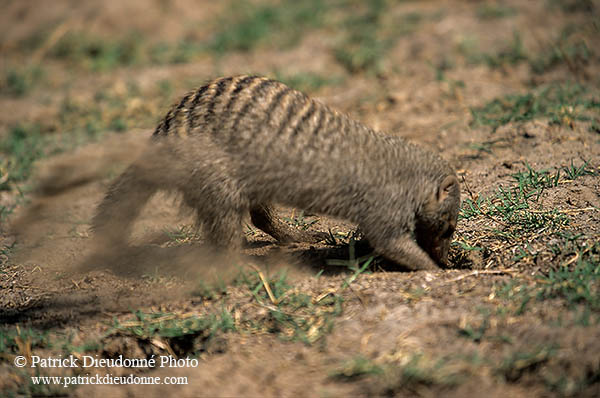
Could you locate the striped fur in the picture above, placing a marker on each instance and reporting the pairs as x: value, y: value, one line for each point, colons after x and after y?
x: 239, y: 144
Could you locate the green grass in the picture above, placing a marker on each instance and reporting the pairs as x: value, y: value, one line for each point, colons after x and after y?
x: 300, y: 221
x: 512, y: 53
x: 7, y: 210
x: 356, y: 368
x: 353, y: 263
x: 243, y: 26
x: 23, y: 145
x: 573, y: 172
x: 294, y: 315
x: 13, y: 340
x: 532, y: 179
x: 185, y: 334
x: 517, y: 364
x: 99, y: 53
x: 185, y: 50
x: 561, y: 104
x: 83, y: 121
x: 246, y: 26
x: 307, y: 81
x: 102, y: 54
x: 368, y: 36
x: 418, y: 371
x: 568, y: 48
x: 476, y: 332
x: 513, y: 206
x: 392, y: 379
x: 77, y: 122
x: 183, y: 234
x: 18, y: 82
x: 367, y: 32
x: 517, y: 220
x: 576, y: 282
x: 490, y: 11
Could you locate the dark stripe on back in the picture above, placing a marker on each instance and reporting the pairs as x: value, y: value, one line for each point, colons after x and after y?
x: 167, y: 121
x: 339, y: 121
x: 320, y: 122
x: 291, y: 109
x: 301, y: 123
x: 159, y: 129
x: 172, y: 115
x: 242, y: 84
x: 323, y: 122
x: 250, y: 102
x: 275, y: 102
x: 220, y: 89
x: 192, y: 108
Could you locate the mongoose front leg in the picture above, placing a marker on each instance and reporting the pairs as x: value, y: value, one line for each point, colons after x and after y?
x: 263, y: 217
x: 405, y: 251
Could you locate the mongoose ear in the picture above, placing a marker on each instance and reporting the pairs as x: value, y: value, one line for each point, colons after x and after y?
x: 446, y: 187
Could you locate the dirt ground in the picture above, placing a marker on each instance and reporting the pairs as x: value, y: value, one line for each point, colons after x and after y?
x: 507, y: 92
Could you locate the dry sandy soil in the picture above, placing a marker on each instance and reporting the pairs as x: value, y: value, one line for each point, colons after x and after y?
x: 507, y: 91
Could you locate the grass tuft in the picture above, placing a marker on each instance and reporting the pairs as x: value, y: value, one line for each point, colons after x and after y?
x: 513, y: 206
x: 561, y: 104
x: 20, y: 149
x: 356, y: 368
x: 182, y: 333
x: 18, y: 82
x: 277, y: 24
x: 99, y: 53
x: 490, y: 11
x: 577, y: 281
x: 308, y: 82
x: 292, y: 315
x: 518, y: 363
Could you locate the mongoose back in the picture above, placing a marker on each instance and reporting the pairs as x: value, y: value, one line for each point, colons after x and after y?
x: 238, y: 145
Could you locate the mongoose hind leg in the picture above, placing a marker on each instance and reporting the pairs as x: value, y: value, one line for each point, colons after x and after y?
x: 222, y: 230
x: 219, y: 212
x: 264, y: 218
x: 122, y: 204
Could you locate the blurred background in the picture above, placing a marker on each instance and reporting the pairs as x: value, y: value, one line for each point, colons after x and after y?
x: 73, y: 67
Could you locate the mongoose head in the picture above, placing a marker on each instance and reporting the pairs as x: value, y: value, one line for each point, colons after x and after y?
x: 436, y: 222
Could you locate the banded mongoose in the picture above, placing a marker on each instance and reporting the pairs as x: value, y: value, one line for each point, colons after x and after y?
x: 239, y: 145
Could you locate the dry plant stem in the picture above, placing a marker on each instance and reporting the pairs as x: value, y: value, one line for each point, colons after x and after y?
x: 323, y: 295
x: 265, y: 284
x: 481, y: 272
x: 54, y: 37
